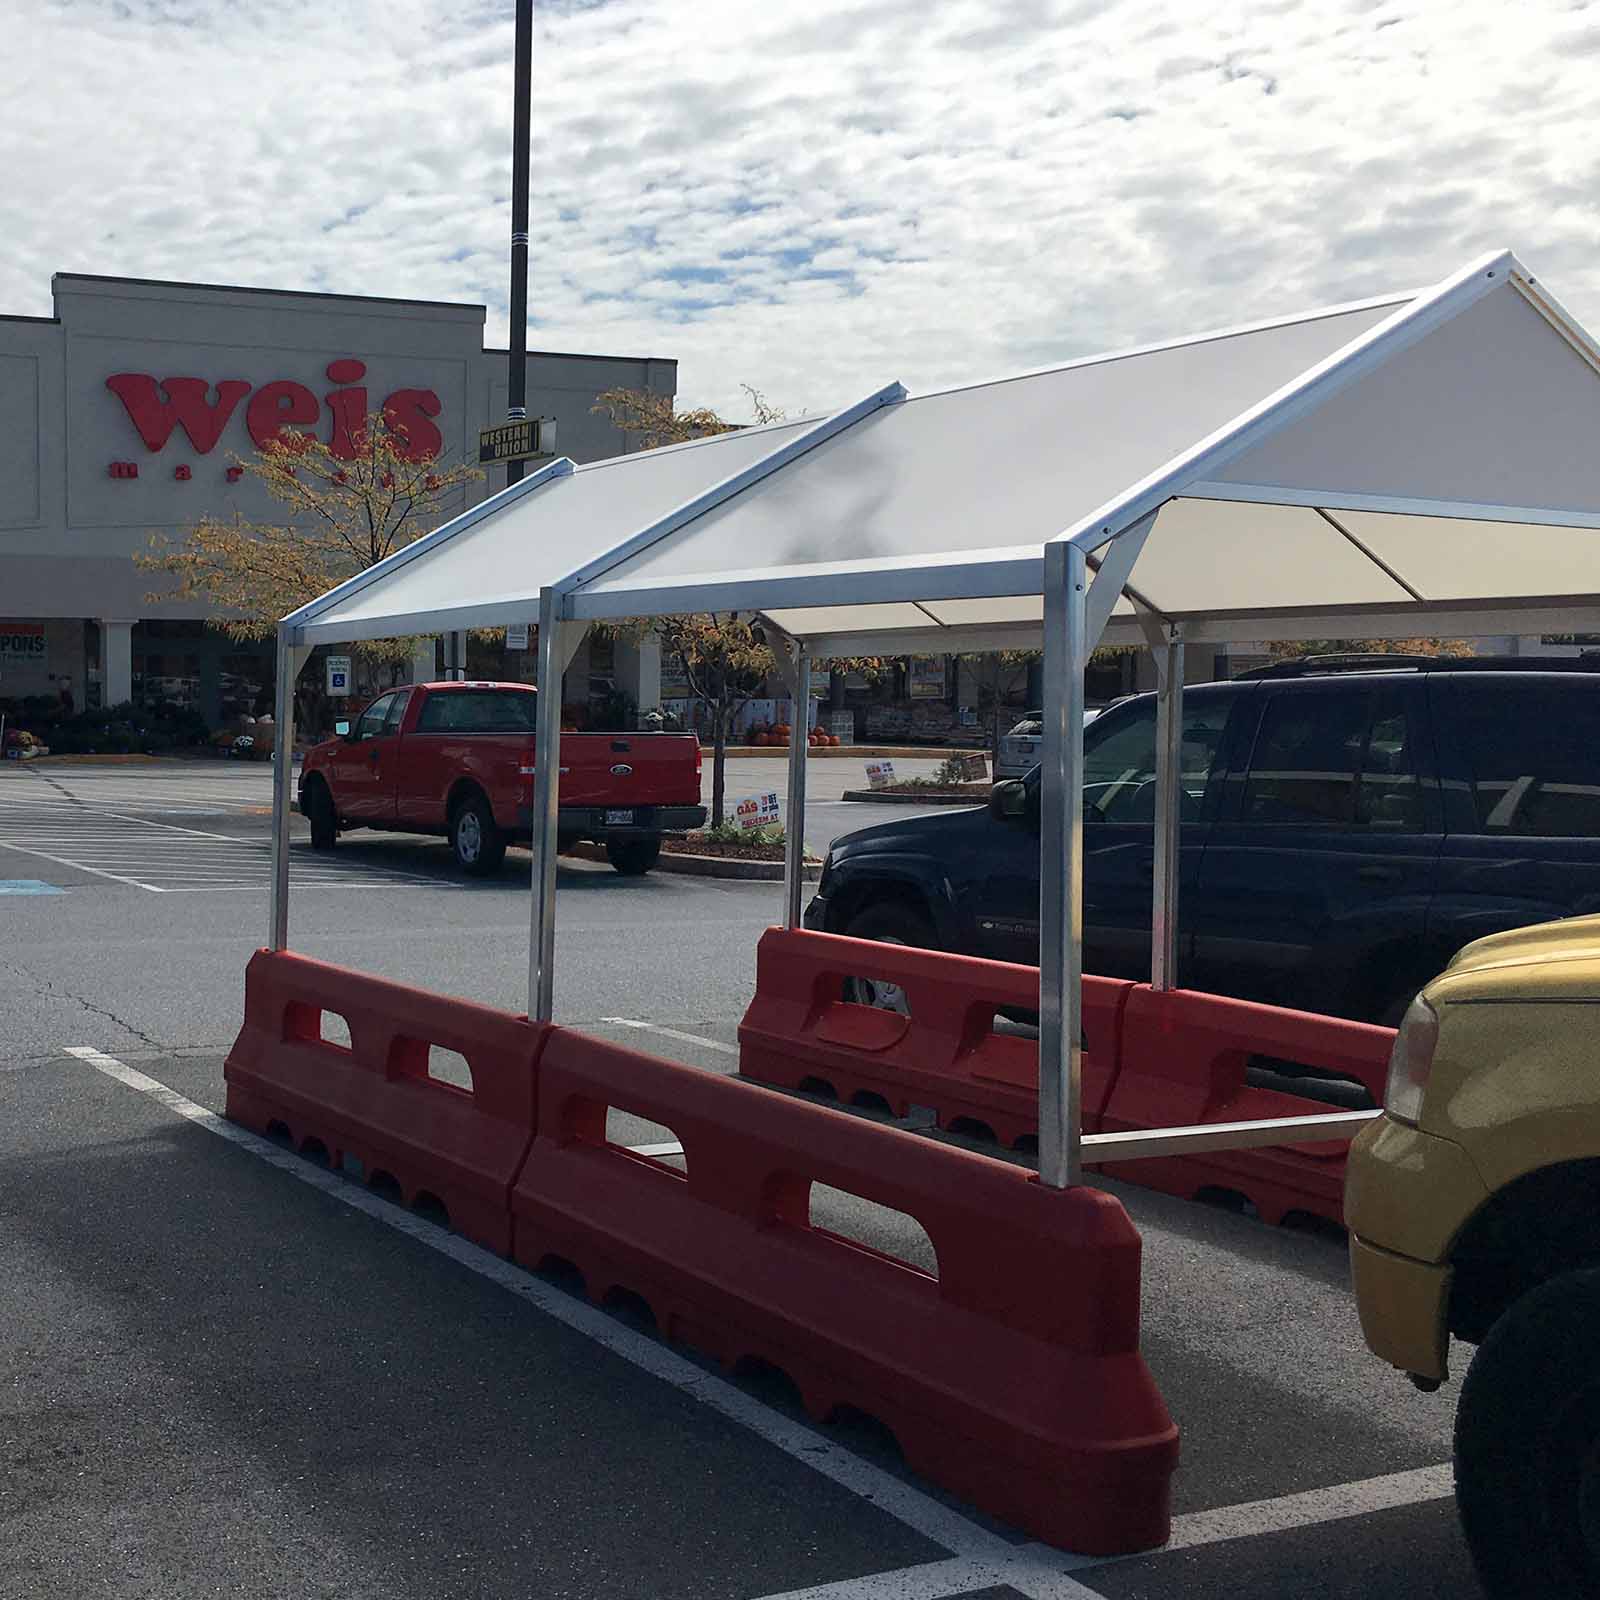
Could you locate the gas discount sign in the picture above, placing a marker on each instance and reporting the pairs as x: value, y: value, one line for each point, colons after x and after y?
x: 758, y: 811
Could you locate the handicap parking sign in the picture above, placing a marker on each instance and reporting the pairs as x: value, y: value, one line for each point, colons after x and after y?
x: 338, y: 675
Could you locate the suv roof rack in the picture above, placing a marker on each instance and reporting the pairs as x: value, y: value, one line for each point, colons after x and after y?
x: 1317, y: 666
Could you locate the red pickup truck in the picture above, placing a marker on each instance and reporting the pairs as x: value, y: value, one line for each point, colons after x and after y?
x: 457, y: 759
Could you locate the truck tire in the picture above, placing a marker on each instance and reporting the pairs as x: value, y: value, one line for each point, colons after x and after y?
x: 475, y: 838
x: 888, y: 924
x: 633, y: 857
x: 319, y: 813
x: 1527, y: 1446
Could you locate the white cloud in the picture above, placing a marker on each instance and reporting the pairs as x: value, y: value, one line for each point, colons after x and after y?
x: 813, y: 196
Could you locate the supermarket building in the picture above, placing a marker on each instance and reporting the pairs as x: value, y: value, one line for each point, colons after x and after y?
x: 122, y: 414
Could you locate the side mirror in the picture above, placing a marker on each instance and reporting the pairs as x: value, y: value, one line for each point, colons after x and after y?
x: 342, y: 727
x: 1008, y: 800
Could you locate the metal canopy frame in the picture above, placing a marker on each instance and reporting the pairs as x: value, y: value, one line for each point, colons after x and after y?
x: 1084, y: 581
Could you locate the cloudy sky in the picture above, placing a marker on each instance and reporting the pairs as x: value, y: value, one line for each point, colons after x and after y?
x: 811, y: 196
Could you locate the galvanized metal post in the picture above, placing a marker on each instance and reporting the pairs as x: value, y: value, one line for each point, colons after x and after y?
x: 794, y: 849
x: 291, y: 658
x: 521, y: 124
x: 1061, y: 869
x: 1169, y: 811
x: 546, y: 801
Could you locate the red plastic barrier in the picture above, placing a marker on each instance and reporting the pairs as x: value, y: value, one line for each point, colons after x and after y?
x: 1013, y: 1378
x: 1184, y: 1062
x: 374, y: 1100
x: 800, y: 1032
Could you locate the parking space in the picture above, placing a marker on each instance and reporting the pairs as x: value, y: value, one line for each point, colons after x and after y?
x: 234, y: 1372
x: 160, y: 857
x: 403, y: 1411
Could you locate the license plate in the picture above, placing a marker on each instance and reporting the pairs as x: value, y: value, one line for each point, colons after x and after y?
x: 619, y: 819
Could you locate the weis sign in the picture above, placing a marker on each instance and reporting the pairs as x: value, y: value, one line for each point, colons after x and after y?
x: 157, y: 409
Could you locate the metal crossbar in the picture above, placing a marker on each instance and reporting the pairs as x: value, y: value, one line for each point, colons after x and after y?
x: 1142, y: 1143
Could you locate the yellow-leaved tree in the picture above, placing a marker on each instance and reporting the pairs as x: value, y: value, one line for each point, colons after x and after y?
x: 342, y: 513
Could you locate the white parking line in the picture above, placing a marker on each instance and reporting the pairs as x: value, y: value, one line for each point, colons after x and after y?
x: 980, y: 1559
x: 169, y: 858
x: 673, y: 1033
x: 1030, y: 1569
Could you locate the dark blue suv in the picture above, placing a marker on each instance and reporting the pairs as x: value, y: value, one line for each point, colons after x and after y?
x: 1347, y: 826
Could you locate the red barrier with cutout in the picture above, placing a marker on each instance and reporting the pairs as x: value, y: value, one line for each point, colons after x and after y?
x: 942, y: 1052
x: 374, y: 1100
x: 1013, y: 1378
x: 1190, y: 1058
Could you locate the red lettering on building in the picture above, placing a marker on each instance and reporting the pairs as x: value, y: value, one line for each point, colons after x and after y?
x: 275, y: 407
x: 407, y: 412
x: 182, y: 473
x: 349, y: 410
x: 281, y: 410
x: 234, y: 474
x: 185, y: 406
x: 124, y: 469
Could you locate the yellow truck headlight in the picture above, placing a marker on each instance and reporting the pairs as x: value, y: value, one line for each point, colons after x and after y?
x: 1410, y: 1062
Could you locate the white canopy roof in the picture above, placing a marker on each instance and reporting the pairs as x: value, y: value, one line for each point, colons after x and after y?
x: 1426, y: 462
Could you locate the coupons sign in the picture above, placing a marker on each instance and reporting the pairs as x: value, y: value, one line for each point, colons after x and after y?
x: 880, y: 774
x: 758, y: 811
x: 22, y: 642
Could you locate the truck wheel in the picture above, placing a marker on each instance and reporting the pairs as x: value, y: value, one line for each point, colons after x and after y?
x: 475, y: 837
x: 889, y: 924
x: 633, y: 857
x: 319, y: 813
x: 1527, y: 1445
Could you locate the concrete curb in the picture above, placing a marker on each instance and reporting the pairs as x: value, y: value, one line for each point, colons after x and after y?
x: 693, y: 866
x: 882, y: 798
x: 121, y: 759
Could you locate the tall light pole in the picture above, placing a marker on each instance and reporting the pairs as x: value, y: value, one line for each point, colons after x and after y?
x: 517, y: 375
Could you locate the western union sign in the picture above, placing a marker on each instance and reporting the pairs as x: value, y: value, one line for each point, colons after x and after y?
x: 522, y: 440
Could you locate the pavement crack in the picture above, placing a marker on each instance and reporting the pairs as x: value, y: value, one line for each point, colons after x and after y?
x: 44, y: 986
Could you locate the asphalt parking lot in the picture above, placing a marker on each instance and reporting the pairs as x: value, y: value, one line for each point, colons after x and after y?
x: 228, y: 1371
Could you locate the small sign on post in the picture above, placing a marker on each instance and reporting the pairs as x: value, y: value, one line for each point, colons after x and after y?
x: 972, y: 769
x: 338, y: 677
x: 516, y: 636
x: 758, y: 811
x: 526, y: 439
x: 880, y: 774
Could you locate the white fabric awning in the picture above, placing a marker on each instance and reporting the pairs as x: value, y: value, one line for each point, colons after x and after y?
x: 1420, y: 463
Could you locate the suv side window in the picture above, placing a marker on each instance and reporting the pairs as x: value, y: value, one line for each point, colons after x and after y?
x: 371, y: 723
x: 1119, y: 766
x: 1534, y: 757
x: 1345, y: 759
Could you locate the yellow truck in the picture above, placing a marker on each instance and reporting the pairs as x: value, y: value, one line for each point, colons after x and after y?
x: 1474, y: 1213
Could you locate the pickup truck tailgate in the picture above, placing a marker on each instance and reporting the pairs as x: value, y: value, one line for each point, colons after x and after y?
x: 630, y: 769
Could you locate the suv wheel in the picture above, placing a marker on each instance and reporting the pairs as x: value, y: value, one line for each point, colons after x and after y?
x: 475, y: 839
x: 1528, y: 1445
x: 889, y: 924
x: 319, y: 813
